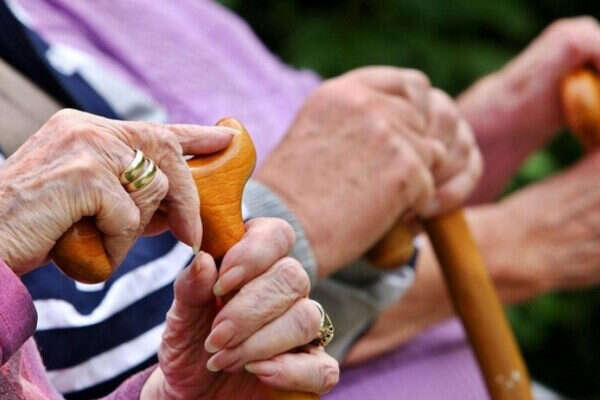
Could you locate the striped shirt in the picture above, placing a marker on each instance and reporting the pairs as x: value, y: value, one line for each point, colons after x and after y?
x: 92, y: 337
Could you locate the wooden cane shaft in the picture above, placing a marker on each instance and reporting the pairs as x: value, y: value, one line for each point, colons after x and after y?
x: 481, y: 312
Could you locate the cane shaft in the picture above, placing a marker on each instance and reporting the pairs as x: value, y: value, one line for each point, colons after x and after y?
x: 476, y: 302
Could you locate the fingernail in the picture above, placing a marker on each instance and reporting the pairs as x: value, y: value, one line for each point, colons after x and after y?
x: 195, y: 249
x: 210, y: 365
x: 220, y: 336
x: 227, y: 359
x: 264, y: 368
x: 230, y: 280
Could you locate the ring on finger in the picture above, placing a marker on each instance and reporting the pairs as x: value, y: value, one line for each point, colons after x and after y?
x: 140, y: 172
x: 326, y: 329
x: 134, y: 169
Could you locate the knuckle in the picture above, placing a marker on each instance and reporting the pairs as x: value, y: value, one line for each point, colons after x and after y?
x: 293, y: 275
x: 443, y: 106
x: 330, y: 375
x: 64, y: 116
x: 282, y: 235
x: 167, y: 141
x: 417, y: 78
x: 307, y: 320
x: 130, y: 222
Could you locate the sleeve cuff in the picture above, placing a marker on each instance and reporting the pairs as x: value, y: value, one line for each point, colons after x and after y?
x: 18, y: 318
x: 132, y: 387
x: 260, y: 201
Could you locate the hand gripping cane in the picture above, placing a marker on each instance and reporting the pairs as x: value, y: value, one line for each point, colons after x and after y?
x: 220, y: 180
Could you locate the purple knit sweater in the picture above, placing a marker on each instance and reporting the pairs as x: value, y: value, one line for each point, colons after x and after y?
x: 22, y: 373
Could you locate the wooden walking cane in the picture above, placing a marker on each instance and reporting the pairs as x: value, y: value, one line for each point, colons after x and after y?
x: 469, y: 284
x: 220, y: 179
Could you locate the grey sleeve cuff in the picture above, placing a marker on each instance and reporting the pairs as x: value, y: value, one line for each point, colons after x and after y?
x: 260, y: 201
x: 355, y: 295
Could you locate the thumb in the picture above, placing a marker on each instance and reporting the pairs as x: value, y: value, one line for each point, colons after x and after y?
x: 193, y: 288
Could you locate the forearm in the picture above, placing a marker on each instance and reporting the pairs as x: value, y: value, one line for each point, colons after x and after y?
x: 493, y: 109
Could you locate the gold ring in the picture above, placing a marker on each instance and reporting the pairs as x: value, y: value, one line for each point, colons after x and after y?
x: 326, y: 330
x: 134, y: 169
x: 147, y: 175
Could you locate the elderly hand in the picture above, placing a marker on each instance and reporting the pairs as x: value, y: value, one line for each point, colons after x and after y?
x: 70, y: 168
x: 516, y: 110
x: 257, y: 329
x: 556, y: 244
x: 366, y: 148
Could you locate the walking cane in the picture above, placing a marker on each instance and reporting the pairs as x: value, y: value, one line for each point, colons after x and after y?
x: 81, y: 255
x: 469, y: 284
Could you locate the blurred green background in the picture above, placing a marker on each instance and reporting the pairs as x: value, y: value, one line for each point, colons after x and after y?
x: 454, y: 42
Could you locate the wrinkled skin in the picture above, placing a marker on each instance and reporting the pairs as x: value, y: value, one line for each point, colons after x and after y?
x: 517, y: 109
x: 183, y: 355
x: 70, y: 168
x: 366, y: 148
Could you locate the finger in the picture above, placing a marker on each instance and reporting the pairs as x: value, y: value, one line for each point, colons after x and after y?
x: 183, y: 204
x: 196, y: 139
x: 408, y: 83
x: 258, y: 303
x: 297, y: 327
x: 443, y: 117
x: 311, y: 371
x: 421, y: 185
x: 190, y: 314
x: 117, y: 217
x: 192, y: 286
x: 455, y: 191
x: 266, y: 240
x: 158, y: 224
x: 405, y: 113
x: 148, y: 198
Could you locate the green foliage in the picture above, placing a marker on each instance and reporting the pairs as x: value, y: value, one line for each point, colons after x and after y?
x: 454, y: 42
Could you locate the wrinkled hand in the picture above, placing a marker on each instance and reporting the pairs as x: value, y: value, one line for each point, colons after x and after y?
x: 557, y: 241
x: 256, y: 329
x: 366, y: 148
x: 517, y: 109
x: 70, y: 168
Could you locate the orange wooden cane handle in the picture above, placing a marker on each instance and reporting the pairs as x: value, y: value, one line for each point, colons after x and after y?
x: 220, y: 179
x: 580, y: 93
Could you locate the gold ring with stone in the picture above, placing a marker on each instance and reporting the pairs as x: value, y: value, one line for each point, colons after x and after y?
x: 326, y: 330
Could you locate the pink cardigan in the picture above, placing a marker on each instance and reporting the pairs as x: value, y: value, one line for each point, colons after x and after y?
x: 22, y: 373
